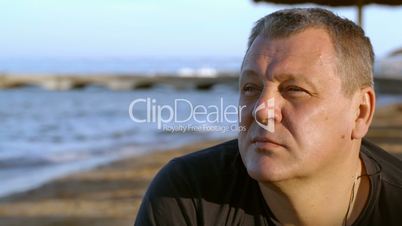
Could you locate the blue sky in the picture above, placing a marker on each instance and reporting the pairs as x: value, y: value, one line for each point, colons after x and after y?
x: 127, y: 28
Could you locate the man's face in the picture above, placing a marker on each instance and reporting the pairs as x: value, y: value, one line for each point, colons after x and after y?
x: 312, y: 117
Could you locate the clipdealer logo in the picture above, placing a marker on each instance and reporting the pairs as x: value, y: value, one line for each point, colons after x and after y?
x: 165, y: 114
x: 269, y: 107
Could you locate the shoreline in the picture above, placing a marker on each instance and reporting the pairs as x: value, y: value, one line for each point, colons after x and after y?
x: 35, y: 178
x: 107, y: 195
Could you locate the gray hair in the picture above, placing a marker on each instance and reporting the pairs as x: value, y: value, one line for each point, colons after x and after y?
x: 354, y: 51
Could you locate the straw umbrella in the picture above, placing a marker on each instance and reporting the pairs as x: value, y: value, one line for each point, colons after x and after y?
x: 358, y: 3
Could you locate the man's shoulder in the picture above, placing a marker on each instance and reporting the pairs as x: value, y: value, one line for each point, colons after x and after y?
x: 386, y: 185
x: 390, y: 167
x: 216, y: 158
x: 220, y: 153
x: 206, y: 187
x: 219, y: 159
x: 193, y: 173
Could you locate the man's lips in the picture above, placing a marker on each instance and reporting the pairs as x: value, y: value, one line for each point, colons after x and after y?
x: 265, y: 143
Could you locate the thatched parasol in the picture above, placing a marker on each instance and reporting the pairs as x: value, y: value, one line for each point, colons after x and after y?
x: 358, y: 3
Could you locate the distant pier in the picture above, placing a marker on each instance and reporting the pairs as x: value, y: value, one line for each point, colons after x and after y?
x: 383, y: 83
x: 116, y: 82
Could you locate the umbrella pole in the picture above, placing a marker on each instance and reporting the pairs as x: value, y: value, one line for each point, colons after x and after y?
x: 360, y: 13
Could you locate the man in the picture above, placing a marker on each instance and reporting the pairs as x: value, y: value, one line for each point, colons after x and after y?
x: 306, y: 85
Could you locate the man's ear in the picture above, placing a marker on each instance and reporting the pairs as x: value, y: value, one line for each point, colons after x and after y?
x: 364, y: 112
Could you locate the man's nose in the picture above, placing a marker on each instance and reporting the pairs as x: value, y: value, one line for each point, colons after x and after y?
x: 267, y: 108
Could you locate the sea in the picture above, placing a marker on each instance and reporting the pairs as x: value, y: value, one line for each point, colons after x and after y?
x: 48, y: 134
x: 45, y: 134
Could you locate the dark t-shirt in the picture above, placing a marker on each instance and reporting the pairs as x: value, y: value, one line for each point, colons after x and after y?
x: 212, y: 187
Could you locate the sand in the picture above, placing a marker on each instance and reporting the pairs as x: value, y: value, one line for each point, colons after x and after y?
x: 107, y: 195
x: 110, y: 195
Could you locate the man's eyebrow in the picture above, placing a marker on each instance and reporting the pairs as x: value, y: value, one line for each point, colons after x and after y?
x: 285, y: 77
x: 248, y: 73
x: 295, y: 77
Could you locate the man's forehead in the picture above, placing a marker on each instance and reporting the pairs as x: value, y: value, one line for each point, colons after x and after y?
x: 262, y: 47
x: 307, y: 49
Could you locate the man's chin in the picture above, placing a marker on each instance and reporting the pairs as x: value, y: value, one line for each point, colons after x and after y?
x: 266, y: 173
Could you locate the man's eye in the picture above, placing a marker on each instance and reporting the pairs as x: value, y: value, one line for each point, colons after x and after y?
x: 295, y: 91
x: 251, y: 90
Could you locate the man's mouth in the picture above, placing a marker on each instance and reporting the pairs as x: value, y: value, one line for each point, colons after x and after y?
x: 265, y: 143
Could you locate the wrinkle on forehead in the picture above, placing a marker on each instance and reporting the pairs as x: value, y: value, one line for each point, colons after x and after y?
x: 290, y: 54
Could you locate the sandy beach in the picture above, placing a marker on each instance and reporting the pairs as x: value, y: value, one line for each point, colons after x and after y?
x: 111, y: 194
x: 107, y: 195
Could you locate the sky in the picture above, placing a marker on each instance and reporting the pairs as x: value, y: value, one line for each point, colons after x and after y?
x: 155, y: 28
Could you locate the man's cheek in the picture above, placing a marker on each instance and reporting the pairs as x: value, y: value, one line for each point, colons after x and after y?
x: 246, y: 115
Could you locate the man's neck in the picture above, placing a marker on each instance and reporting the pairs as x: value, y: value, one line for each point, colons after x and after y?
x: 319, y: 201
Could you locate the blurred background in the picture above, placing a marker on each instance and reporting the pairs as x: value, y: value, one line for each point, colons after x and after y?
x: 70, y: 69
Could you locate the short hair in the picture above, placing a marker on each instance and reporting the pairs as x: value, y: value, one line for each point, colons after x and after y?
x: 354, y: 52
